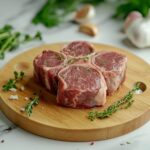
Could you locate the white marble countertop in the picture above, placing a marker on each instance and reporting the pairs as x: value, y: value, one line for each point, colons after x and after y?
x: 19, y: 13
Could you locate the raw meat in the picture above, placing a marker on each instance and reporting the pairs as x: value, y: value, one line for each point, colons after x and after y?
x: 46, y: 67
x: 78, y: 49
x: 80, y: 77
x: 113, y: 66
x: 81, y: 86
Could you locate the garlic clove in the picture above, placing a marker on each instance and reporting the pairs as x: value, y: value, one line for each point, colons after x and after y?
x: 85, y: 14
x: 89, y: 29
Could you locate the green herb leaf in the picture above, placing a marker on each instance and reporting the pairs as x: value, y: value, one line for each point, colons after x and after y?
x: 38, y: 35
x: 28, y: 37
x: 29, y: 107
x: 54, y: 12
x: 131, y: 5
x: 9, y: 40
x: 18, y: 76
x: 10, y: 84
x: 126, y: 100
x: 6, y: 28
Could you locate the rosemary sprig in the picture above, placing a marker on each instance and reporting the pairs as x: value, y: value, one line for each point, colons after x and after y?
x: 11, y: 83
x: 29, y: 107
x: 127, y: 99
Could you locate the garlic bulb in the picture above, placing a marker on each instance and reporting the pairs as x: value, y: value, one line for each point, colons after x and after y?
x: 138, y: 31
x: 85, y: 14
x: 134, y: 15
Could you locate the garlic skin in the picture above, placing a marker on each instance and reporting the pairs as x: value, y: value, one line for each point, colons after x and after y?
x: 134, y: 15
x: 85, y: 14
x: 138, y: 32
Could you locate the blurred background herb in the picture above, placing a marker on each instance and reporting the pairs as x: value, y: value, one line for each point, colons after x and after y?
x: 54, y: 11
x: 10, y: 39
x: 131, y: 5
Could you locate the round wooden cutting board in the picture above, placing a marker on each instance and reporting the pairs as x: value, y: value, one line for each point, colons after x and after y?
x: 56, y: 122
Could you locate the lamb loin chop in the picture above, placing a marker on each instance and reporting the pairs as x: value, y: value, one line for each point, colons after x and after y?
x: 113, y: 67
x: 81, y: 86
x: 78, y: 49
x: 46, y: 67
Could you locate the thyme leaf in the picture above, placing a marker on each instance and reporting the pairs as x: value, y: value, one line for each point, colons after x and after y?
x: 11, y: 83
x: 29, y: 107
x: 28, y: 38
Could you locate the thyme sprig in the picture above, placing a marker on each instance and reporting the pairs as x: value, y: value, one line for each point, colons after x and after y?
x: 29, y: 107
x: 11, y: 83
x: 74, y: 60
x: 126, y: 100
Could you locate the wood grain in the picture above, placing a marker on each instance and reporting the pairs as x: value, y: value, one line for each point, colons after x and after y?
x: 56, y: 122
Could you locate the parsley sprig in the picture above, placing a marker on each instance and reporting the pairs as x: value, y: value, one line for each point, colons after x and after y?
x: 126, y: 101
x: 29, y: 107
x: 127, y: 6
x: 11, y: 83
